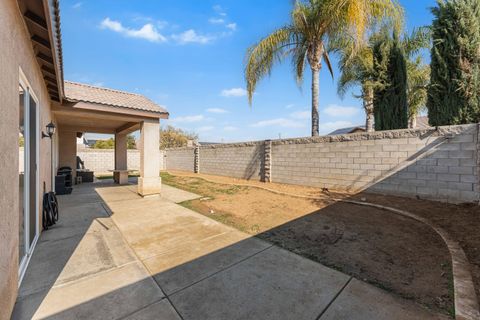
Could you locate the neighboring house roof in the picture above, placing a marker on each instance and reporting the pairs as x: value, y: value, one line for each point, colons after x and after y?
x: 347, y: 130
x: 79, y: 92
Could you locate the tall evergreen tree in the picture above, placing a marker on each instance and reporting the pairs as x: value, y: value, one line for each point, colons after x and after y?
x: 357, y: 69
x: 390, y: 95
x: 454, y: 92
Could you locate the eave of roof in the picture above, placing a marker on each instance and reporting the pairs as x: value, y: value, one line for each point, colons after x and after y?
x: 42, y: 21
x: 78, y: 92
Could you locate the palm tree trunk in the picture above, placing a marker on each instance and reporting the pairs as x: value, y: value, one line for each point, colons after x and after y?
x: 315, y: 92
x: 412, y: 121
x: 368, y: 105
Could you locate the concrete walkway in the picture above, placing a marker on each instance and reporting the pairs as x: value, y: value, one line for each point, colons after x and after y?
x: 115, y: 255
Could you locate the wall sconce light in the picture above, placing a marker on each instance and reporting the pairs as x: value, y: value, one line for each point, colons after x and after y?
x: 50, y: 131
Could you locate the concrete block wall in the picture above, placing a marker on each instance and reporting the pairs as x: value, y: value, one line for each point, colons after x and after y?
x: 441, y: 164
x: 102, y: 160
x: 180, y: 159
x: 242, y: 160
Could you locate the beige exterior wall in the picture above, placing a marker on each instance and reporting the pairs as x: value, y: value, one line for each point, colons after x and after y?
x: 67, y: 151
x: 17, y: 53
x: 441, y: 165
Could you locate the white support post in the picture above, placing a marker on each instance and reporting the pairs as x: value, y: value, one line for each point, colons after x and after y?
x: 149, y: 182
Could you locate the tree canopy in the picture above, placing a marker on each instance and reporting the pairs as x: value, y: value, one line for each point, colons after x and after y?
x: 110, y: 143
x: 454, y: 92
x: 305, y: 39
x: 171, y: 137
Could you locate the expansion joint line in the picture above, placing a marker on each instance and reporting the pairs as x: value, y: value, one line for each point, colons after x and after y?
x: 334, y: 298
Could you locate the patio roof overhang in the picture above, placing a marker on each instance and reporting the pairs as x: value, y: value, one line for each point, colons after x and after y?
x: 97, y: 118
x: 42, y: 19
x: 87, y: 108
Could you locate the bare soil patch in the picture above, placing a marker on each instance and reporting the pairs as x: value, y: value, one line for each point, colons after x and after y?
x: 395, y: 253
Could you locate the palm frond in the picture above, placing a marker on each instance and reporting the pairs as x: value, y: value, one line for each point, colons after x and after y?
x: 299, y: 61
x: 261, y: 57
x: 420, y: 38
x: 326, y: 58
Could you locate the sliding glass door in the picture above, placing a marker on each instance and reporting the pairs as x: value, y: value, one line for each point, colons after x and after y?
x: 22, y: 155
x: 27, y: 174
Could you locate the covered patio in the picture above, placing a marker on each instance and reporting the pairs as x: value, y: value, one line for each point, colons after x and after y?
x: 87, y: 108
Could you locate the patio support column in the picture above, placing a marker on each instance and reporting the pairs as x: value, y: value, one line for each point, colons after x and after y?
x: 149, y: 182
x: 120, y: 151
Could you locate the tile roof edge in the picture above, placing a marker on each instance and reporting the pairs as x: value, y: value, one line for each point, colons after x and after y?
x: 161, y: 110
x: 103, y: 88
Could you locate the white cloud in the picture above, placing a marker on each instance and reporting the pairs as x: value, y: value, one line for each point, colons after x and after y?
x: 340, y: 111
x: 77, y: 5
x: 230, y: 128
x: 205, y: 128
x: 234, y: 92
x: 279, y: 122
x: 216, y: 110
x: 216, y: 21
x: 218, y: 9
x: 188, y: 119
x: 147, y: 32
x: 289, y: 106
x: 191, y: 36
x: 301, y: 115
x: 232, y: 26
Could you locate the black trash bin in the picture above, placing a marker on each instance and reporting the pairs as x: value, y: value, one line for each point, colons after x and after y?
x: 63, y: 181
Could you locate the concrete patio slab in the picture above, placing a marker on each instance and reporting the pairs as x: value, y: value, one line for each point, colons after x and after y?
x: 274, y: 284
x: 60, y: 261
x: 362, y: 301
x: 177, y: 195
x: 160, y: 310
x: 117, y: 193
x: 78, y: 200
x: 78, y: 220
x: 176, y: 271
x: 120, y: 266
x: 107, y: 295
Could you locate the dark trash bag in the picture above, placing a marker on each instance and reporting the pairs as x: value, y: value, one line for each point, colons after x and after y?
x: 50, y: 210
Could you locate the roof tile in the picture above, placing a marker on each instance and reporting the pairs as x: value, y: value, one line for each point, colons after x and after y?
x: 77, y: 92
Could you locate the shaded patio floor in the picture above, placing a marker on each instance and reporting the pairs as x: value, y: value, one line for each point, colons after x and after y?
x: 115, y: 255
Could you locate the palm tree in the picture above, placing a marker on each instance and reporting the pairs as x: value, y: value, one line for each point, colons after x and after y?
x: 357, y: 70
x: 313, y: 24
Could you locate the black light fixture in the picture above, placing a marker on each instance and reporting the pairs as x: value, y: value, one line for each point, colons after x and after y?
x: 50, y: 131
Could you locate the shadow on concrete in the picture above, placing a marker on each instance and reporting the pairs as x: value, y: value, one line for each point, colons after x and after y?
x: 84, y: 275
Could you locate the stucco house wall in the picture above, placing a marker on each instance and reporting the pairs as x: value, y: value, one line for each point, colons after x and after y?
x: 17, y: 52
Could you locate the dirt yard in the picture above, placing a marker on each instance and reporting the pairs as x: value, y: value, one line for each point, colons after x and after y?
x: 392, y: 252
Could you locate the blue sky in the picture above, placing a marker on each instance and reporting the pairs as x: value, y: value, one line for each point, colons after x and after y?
x: 188, y: 56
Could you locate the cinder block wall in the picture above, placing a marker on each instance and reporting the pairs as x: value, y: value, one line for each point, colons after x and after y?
x: 439, y: 165
x: 436, y: 165
x: 102, y: 160
x: 180, y: 159
x: 240, y: 160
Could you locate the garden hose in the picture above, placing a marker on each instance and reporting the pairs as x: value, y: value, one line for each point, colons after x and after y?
x: 50, y: 210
